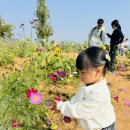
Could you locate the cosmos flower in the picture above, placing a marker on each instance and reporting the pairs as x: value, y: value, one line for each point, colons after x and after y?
x: 61, y: 74
x: 14, y: 124
x: 18, y: 68
x: 29, y: 92
x: 67, y: 119
x: 52, y: 77
x: 41, y: 49
x: 122, y: 68
x: 57, y: 99
x: 116, y: 98
x: 36, y: 98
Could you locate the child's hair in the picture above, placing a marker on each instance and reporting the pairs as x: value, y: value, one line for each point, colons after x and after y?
x: 92, y: 57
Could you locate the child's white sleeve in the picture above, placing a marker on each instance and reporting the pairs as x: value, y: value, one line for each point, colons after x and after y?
x: 80, y: 110
x: 78, y: 97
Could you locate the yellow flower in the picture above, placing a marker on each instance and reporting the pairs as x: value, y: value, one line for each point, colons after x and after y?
x: 57, y: 51
x: 104, y: 47
x: 53, y: 127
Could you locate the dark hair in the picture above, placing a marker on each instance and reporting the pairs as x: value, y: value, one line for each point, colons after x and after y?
x: 92, y: 57
x: 116, y: 23
x: 100, y: 21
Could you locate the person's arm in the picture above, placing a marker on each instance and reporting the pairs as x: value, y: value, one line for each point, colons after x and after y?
x: 80, y: 110
x: 89, y: 36
x: 121, y: 37
x: 103, y: 38
x: 109, y: 35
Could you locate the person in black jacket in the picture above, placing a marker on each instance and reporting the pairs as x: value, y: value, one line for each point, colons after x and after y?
x: 116, y: 38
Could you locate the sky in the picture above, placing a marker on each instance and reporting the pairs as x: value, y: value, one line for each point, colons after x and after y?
x: 71, y: 19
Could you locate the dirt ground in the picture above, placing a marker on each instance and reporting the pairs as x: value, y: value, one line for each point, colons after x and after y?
x: 119, y: 85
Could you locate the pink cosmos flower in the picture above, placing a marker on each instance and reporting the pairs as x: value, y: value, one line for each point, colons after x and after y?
x: 57, y: 99
x: 122, y: 89
x: 41, y: 49
x: 33, y: 122
x: 127, y: 103
x: 18, y: 99
x: 36, y: 98
x: 14, y: 123
x: 126, y: 113
x: 118, y: 74
x: 19, y: 69
x: 52, y: 77
x: 29, y: 92
x: 116, y: 98
x: 122, y: 67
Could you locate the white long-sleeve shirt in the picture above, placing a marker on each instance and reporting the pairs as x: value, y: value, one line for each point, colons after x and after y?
x: 94, y: 38
x: 91, y: 106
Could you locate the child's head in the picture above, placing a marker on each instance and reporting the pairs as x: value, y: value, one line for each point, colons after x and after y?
x: 92, y: 64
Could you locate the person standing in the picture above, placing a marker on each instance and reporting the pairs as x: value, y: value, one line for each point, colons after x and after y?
x: 115, y: 39
x: 97, y: 34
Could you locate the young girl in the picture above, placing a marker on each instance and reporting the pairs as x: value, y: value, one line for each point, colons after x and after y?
x: 116, y: 38
x: 92, y: 104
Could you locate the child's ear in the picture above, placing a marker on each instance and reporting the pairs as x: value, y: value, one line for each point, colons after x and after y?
x: 99, y: 70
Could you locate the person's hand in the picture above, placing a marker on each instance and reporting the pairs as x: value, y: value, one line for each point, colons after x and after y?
x: 119, y: 45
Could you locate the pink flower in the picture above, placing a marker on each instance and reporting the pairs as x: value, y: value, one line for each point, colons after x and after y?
x: 127, y: 103
x: 52, y: 77
x: 122, y: 67
x: 126, y: 113
x: 57, y: 99
x: 18, y: 99
x: 41, y: 49
x: 33, y: 122
x: 122, y: 89
x: 116, y: 98
x: 118, y: 74
x: 14, y: 123
x: 19, y: 69
x: 36, y: 98
x: 29, y: 92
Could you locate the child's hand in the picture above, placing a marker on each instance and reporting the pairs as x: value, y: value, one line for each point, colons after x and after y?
x: 57, y: 100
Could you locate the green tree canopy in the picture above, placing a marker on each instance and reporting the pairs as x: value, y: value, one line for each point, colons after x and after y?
x: 44, y: 29
x: 5, y: 29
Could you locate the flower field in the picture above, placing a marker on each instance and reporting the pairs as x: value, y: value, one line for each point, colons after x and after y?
x: 34, y: 77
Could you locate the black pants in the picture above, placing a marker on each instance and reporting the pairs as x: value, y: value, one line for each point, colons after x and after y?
x: 112, y: 54
x: 111, y: 127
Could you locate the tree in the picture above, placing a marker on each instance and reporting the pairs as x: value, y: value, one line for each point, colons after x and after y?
x: 44, y: 29
x: 5, y: 29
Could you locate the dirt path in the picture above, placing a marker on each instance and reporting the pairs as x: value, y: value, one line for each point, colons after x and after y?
x: 120, y: 87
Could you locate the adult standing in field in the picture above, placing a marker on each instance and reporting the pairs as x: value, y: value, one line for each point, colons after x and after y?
x: 97, y: 34
x: 115, y: 39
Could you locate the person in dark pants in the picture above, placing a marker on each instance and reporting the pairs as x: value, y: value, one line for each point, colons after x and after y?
x: 116, y: 38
